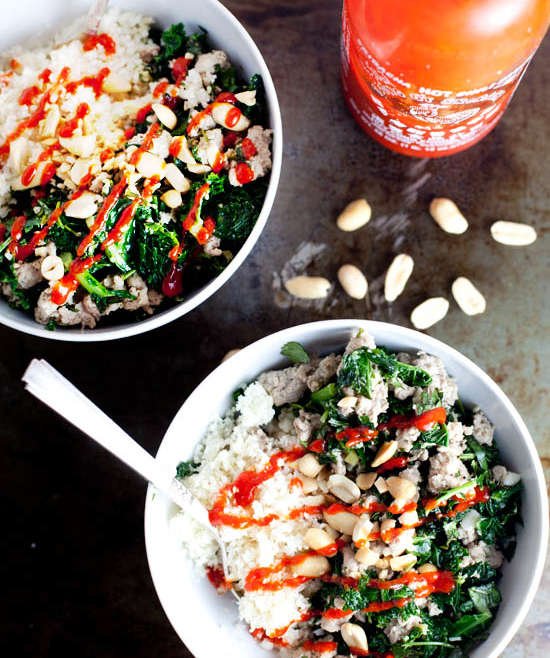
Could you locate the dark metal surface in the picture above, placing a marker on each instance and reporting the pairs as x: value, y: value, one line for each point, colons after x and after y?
x: 73, y: 569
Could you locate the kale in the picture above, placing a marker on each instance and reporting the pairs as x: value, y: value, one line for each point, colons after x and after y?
x: 322, y: 395
x: 67, y: 233
x: 119, y: 253
x: 437, y: 435
x: 184, y: 469
x: 154, y: 242
x: 429, y: 400
x: 295, y: 352
x: 226, y: 78
x: 481, y: 572
x: 197, y: 42
x: 356, y: 372
x: 466, y: 625
x: 19, y: 298
x: 257, y: 113
x: 397, y: 371
x: 485, y: 597
x: 101, y: 295
x: 173, y: 41
x: 236, y: 211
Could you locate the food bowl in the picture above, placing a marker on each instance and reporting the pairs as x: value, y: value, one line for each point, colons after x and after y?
x: 21, y: 22
x: 208, y: 623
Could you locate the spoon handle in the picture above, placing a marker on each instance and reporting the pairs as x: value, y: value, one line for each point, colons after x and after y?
x: 49, y: 386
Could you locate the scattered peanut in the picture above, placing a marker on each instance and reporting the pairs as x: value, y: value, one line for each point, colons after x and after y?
x: 81, y: 145
x: 468, y: 297
x: 198, y: 168
x: 353, y: 281
x: 447, y: 215
x: 309, y: 485
x: 172, y: 199
x: 83, y: 206
x: 403, y: 562
x: 18, y: 185
x: 429, y: 312
x: 179, y: 148
x: 48, y: 127
x: 401, y: 488
x: 386, y: 451
x: 150, y: 165
x: 355, y: 215
x: 385, y: 525
x: 247, y: 97
x: 409, y: 518
x: 366, y: 556
x: 347, y: 403
x: 365, y: 480
x: 317, y: 539
x: 380, y: 484
x: 362, y: 530
x: 344, y: 522
x: 344, y: 488
x: 426, y: 568
x: 19, y: 153
x: 176, y: 178
x: 514, y: 234
x: 229, y: 354
x: 397, y: 276
x: 52, y: 268
x: 382, y: 563
x: 354, y: 636
x: 116, y: 84
x: 165, y: 115
x: 309, y: 465
x: 312, y: 566
x: 308, y: 287
x: 81, y: 168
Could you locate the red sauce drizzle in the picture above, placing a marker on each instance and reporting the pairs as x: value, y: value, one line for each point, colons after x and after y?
x: 354, y: 436
x: 319, y: 647
x: 143, y: 113
x: 233, y: 116
x: 94, y: 82
x: 106, y: 154
x: 179, y: 69
x: 479, y: 495
x: 248, y: 148
x: 92, y: 41
x: 317, y: 446
x: 421, y: 422
x: 441, y: 582
x: 154, y: 130
x: 191, y: 218
x: 28, y: 95
x: 244, y: 173
x: 30, y: 171
x: 160, y: 88
x: 67, y: 284
x: 45, y: 76
x: 68, y: 127
x: 172, y: 284
x: 217, y: 578
x: 109, y: 202
x: 392, y: 464
x: 122, y: 225
x: 261, y: 578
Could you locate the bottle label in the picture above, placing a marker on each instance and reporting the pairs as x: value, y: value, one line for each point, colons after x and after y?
x: 414, y: 118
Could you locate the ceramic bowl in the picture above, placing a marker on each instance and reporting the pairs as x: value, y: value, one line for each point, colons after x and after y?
x: 21, y: 21
x: 208, y: 623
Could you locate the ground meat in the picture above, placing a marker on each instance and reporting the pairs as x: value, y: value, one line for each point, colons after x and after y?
x: 446, y: 472
x: 287, y: 385
x: 482, y: 552
x: 305, y: 424
x: 261, y: 138
x: 457, y: 443
x: 68, y: 315
x: 467, y: 532
x: 377, y: 403
x: 324, y: 372
x: 138, y: 289
x: 402, y: 391
x: 411, y: 473
x: 405, y: 438
x: 440, y: 379
x: 28, y: 274
x: 482, y: 428
x: 212, y: 246
x: 398, y: 629
x: 207, y: 64
x: 362, y: 339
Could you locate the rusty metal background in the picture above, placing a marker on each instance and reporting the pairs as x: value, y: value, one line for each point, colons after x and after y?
x: 72, y: 560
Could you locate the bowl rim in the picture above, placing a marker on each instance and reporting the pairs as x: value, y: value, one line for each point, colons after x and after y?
x: 80, y: 335
x: 431, y: 345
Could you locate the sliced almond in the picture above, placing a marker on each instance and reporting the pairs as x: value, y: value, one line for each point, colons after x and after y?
x: 312, y: 566
x: 172, y: 199
x: 165, y: 115
x: 222, y: 111
x: 403, y: 562
x: 150, y: 165
x: 48, y: 126
x: 198, y: 168
x: 308, y: 287
x: 247, y: 97
x: 468, y: 297
x: 83, y: 206
x: 429, y: 312
x: 344, y: 522
x: 386, y: 451
x: 309, y: 465
x: 343, y: 488
x: 401, y: 488
x: 19, y: 154
x: 81, y: 145
x: 18, y: 185
x: 309, y: 485
x: 427, y: 568
x: 354, y: 216
x: 81, y: 168
x: 317, y: 539
x: 397, y: 276
x: 366, y: 480
x: 354, y: 636
x: 514, y: 234
x: 353, y: 281
x: 409, y: 518
x: 176, y: 178
x: 447, y: 215
x: 382, y: 563
x: 347, y: 403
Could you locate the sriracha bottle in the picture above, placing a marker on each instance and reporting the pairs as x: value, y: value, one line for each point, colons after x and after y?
x: 432, y: 77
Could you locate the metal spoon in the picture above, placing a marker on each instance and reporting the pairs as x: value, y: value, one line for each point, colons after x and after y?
x: 48, y: 385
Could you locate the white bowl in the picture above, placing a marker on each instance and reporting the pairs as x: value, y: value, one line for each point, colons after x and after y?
x: 206, y: 622
x: 21, y: 20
